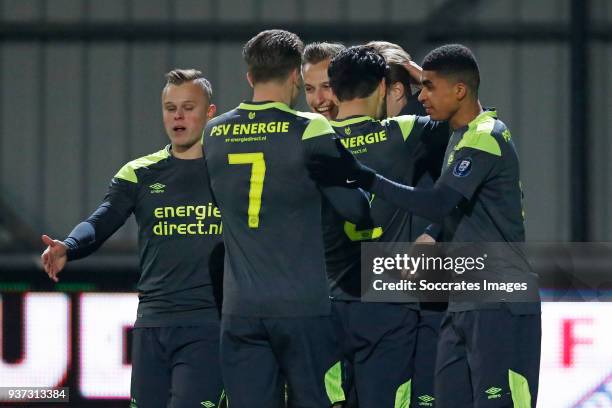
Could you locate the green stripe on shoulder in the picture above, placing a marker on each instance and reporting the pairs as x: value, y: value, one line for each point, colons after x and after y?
x: 405, y: 122
x: 479, y: 136
x: 317, y: 125
x: 128, y: 172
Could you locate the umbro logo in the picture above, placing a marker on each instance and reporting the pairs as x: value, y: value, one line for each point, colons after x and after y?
x: 207, y: 404
x: 493, y: 392
x: 347, y: 130
x: 426, y: 400
x: 157, y: 188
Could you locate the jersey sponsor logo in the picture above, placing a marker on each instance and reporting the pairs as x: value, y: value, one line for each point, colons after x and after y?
x: 253, y: 128
x: 168, y: 216
x: 463, y: 168
x: 362, y: 140
x: 157, y: 188
x: 493, y: 393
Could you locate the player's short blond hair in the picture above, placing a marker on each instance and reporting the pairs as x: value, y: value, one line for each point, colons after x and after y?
x: 180, y: 76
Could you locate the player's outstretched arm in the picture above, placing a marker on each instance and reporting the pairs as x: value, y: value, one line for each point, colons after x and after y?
x: 54, y: 257
x: 84, y: 239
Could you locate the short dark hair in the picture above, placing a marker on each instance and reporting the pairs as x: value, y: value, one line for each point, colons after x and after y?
x: 180, y: 76
x: 457, y: 61
x: 396, y: 57
x: 320, y: 51
x: 356, y: 72
x: 272, y: 55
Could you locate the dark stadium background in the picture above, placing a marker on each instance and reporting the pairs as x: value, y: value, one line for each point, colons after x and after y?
x: 79, y: 96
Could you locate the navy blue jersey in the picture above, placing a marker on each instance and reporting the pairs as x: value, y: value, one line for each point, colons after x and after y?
x: 393, y: 147
x: 256, y: 155
x: 179, y: 236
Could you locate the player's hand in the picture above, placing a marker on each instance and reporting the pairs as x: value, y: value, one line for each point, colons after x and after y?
x: 425, y: 238
x: 343, y: 171
x: 54, y: 258
x: 415, y: 71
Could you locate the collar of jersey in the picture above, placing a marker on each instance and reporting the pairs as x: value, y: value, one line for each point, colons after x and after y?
x: 486, y: 114
x: 255, y: 106
x: 350, y: 121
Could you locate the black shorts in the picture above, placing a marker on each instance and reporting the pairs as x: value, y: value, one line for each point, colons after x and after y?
x: 378, y: 342
x: 259, y: 356
x: 176, y: 367
x: 488, y: 358
x: 428, y: 332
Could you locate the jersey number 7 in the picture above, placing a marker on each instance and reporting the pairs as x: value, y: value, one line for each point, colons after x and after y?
x: 258, y: 173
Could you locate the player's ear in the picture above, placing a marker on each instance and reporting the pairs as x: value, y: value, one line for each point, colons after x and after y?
x: 382, y: 90
x: 295, y: 76
x: 397, y: 91
x: 249, y: 79
x: 211, y: 111
x: 461, y: 91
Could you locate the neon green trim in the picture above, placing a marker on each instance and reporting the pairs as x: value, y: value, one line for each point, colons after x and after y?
x: 333, y: 384
x: 519, y: 388
x: 402, y: 395
x: 351, y: 121
x: 354, y: 234
x: 318, y: 126
x: 264, y: 106
x: 222, y: 398
x: 478, y: 136
x: 128, y: 172
x: 406, y: 124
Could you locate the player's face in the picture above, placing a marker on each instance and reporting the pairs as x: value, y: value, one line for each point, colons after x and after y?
x: 319, y: 95
x: 185, y: 111
x: 438, y: 96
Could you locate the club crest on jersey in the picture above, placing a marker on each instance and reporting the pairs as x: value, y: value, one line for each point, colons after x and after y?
x: 252, y: 115
x: 463, y: 167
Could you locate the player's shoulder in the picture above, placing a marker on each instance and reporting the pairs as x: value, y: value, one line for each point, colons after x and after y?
x: 485, y: 133
x: 224, y: 117
x: 315, y: 124
x: 406, y: 123
x: 129, y: 171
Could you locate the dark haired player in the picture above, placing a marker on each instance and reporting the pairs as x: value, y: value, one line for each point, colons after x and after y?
x: 404, y: 75
x: 175, y: 348
x: 489, y: 352
x: 378, y: 338
x: 276, y: 325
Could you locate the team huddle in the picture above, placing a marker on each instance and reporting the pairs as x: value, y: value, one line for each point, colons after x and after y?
x: 251, y: 226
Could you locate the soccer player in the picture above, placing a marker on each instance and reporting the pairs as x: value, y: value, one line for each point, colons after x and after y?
x: 276, y: 327
x: 315, y: 60
x: 378, y: 338
x: 403, y: 75
x: 489, y: 352
x: 175, y: 356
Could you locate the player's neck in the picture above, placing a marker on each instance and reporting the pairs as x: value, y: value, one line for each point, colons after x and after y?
x: 465, y: 115
x: 273, y: 92
x: 193, y: 152
x: 356, y: 107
